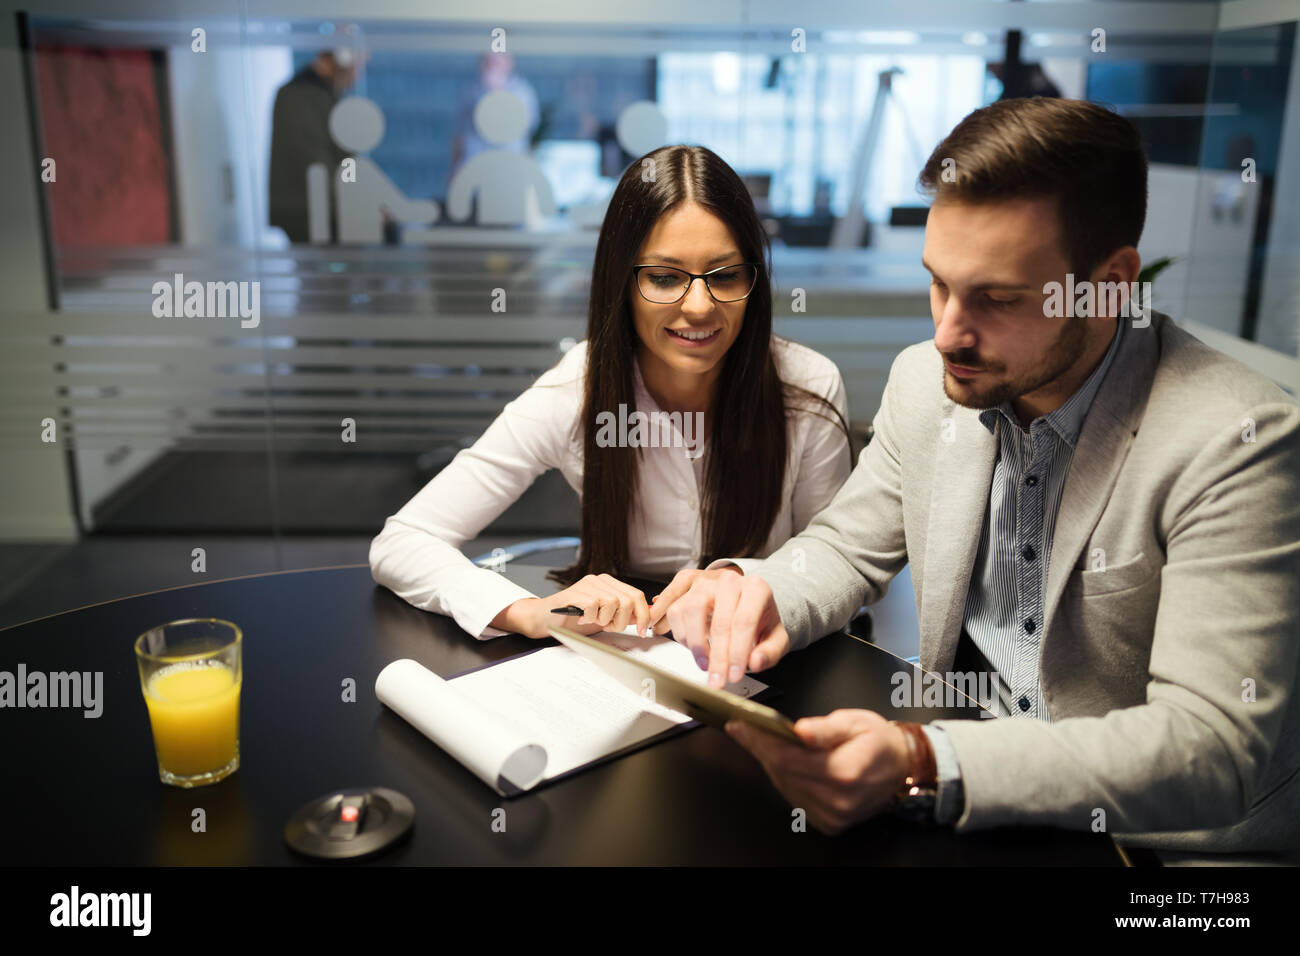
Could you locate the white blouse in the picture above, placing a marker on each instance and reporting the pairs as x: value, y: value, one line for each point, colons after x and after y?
x: 417, y: 555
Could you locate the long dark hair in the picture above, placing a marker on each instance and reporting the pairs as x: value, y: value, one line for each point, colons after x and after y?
x: 747, y: 445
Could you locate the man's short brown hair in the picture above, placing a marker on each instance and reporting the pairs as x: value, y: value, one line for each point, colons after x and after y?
x: 1089, y: 159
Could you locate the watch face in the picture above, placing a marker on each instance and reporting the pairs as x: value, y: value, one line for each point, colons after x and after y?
x: 917, y: 806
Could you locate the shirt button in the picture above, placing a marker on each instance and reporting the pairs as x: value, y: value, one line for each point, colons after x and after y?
x: 1024, y: 703
x: 1029, y: 553
x: 1029, y: 625
x: 1031, y: 480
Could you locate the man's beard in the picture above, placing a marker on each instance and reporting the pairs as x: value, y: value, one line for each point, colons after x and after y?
x: 1058, y: 359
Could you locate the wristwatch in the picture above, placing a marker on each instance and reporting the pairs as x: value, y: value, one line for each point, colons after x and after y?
x: 915, y: 800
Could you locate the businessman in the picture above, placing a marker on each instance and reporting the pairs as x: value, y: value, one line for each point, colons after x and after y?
x: 1100, y: 512
x: 300, y: 136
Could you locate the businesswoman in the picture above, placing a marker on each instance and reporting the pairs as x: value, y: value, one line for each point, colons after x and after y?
x: 679, y: 323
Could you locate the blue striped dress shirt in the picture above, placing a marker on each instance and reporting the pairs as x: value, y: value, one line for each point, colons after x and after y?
x: 1003, y: 617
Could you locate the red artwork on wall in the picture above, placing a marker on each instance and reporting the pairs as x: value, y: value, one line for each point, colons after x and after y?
x: 101, y: 122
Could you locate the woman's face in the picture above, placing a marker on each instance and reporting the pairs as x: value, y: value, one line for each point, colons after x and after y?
x: 693, y: 334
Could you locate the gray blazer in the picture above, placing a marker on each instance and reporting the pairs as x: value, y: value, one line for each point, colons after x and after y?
x: 1169, y: 654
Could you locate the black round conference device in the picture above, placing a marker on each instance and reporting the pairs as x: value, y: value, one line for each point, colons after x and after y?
x: 349, y: 824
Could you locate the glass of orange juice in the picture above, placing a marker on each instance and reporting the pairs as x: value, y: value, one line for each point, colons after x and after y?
x: 191, y: 671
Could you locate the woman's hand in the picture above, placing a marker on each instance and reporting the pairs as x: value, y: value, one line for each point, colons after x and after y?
x: 607, y: 605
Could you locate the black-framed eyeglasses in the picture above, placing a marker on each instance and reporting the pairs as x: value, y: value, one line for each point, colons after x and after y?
x: 664, y: 285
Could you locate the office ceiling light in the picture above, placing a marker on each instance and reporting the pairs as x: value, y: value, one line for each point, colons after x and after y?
x: 726, y: 72
x: 1057, y: 39
x: 888, y: 37
x: 872, y: 37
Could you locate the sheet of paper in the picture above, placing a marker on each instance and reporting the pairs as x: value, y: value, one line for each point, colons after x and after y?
x: 576, y: 711
x: 572, y: 709
x: 541, y: 715
x: 488, y: 742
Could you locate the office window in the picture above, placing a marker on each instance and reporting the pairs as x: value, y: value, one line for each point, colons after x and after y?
x: 801, y: 117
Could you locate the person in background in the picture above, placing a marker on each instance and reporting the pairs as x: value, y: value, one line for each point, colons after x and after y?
x: 679, y: 323
x: 496, y: 71
x: 300, y: 136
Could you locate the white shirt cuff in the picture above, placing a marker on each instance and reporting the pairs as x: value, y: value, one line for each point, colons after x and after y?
x: 474, y: 596
x: 950, y: 798
x: 745, y: 564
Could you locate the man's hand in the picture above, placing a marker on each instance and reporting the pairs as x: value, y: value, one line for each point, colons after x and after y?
x: 851, y: 765
x: 729, y: 621
x: 679, y: 585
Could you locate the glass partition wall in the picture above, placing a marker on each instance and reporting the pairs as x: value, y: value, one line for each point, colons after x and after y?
x: 268, y: 270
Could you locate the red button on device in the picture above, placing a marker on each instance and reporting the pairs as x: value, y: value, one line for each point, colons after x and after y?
x: 349, y: 814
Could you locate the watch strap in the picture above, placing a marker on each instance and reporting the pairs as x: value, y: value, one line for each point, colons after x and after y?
x: 916, y: 797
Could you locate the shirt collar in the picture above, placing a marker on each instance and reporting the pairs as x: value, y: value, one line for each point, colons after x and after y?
x: 1067, y: 420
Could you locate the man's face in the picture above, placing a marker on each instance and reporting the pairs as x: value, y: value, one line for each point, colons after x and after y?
x: 342, y: 68
x: 989, y: 263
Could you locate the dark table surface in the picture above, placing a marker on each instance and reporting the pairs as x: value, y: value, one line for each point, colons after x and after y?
x: 85, y: 791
